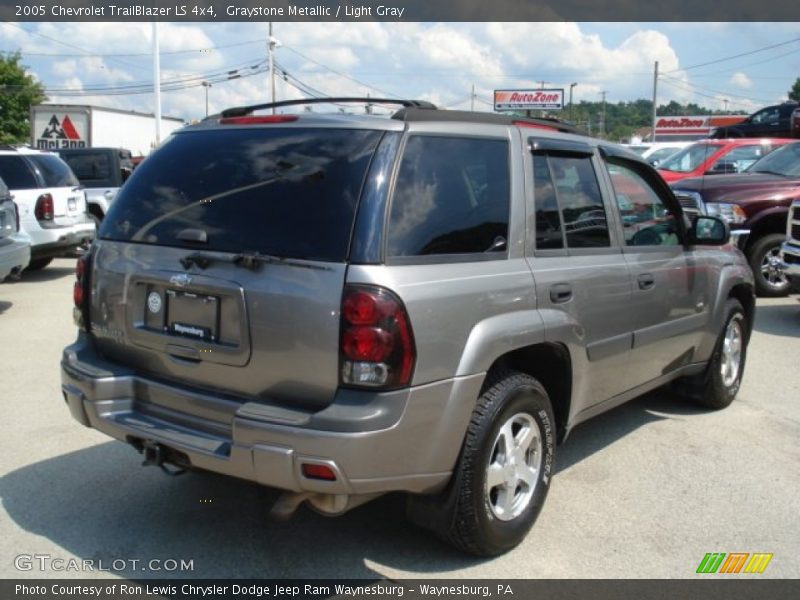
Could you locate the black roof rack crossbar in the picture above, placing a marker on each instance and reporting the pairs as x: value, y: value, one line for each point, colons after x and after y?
x: 242, y: 111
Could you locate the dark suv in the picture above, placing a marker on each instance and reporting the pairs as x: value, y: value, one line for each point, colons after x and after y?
x: 772, y: 121
x: 341, y: 306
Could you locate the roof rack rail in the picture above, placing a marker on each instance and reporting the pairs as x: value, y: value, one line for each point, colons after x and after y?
x: 242, y: 111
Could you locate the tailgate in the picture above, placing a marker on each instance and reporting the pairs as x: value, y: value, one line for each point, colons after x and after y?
x: 222, y: 261
x: 270, y: 332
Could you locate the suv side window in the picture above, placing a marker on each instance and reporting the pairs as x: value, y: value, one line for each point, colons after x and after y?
x: 646, y: 220
x: 568, y: 203
x: 451, y: 197
x: 766, y: 116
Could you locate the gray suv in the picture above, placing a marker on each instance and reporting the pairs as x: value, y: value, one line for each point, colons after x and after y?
x: 342, y: 306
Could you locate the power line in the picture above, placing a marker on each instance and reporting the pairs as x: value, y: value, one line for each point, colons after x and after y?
x: 717, y: 98
x: 727, y: 58
x: 372, y: 87
x: 133, y: 54
x: 724, y: 93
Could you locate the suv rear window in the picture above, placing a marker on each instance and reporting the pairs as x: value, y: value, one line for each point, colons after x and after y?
x: 89, y: 166
x: 289, y: 192
x: 17, y: 173
x: 54, y: 171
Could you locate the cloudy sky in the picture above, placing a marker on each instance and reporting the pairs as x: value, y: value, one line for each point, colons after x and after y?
x: 435, y: 61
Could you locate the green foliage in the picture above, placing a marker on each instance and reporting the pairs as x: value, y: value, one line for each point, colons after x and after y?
x: 794, y: 93
x: 18, y: 92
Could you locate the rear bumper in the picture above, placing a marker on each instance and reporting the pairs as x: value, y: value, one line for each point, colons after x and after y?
x: 15, y: 256
x: 57, y: 241
x: 406, y: 440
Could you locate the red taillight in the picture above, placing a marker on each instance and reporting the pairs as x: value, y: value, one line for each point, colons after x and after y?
x: 80, y: 292
x: 318, y: 472
x: 366, y: 343
x: 45, y: 209
x: 377, y: 345
x: 258, y: 120
x: 77, y: 294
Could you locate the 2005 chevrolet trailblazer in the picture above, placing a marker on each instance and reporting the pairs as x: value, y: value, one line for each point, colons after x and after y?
x: 342, y: 306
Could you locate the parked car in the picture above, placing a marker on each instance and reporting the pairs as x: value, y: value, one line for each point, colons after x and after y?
x: 15, y: 245
x: 660, y: 151
x: 716, y: 157
x: 101, y: 171
x: 772, y: 121
x: 790, y: 249
x: 796, y: 123
x: 755, y: 204
x: 341, y: 306
x: 52, y: 205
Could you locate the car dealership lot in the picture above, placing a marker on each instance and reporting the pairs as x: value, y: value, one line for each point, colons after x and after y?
x: 643, y: 491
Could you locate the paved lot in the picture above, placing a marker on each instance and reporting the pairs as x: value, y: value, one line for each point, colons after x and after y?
x: 643, y: 491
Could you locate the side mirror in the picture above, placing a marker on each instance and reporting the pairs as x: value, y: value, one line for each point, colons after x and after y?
x: 654, y: 162
x: 709, y: 231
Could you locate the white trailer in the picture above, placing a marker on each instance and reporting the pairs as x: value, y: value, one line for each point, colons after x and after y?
x: 61, y: 126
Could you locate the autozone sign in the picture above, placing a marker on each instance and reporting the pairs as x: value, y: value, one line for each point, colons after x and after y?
x: 507, y: 100
x: 694, y: 125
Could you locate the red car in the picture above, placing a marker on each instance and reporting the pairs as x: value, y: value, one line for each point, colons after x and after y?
x: 717, y: 157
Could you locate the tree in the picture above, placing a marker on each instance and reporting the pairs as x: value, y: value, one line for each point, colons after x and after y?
x: 18, y: 91
x: 794, y: 93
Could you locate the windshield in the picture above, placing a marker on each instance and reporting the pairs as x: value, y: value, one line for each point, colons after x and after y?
x: 689, y: 158
x: 54, y: 171
x: 290, y: 192
x: 783, y: 161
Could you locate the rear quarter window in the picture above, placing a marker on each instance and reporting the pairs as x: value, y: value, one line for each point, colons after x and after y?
x: 451, y: 197
x: 54, y: 171
x: 290, y: 192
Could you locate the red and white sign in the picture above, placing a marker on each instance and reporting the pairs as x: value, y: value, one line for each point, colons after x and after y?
x: 694, y: 125
x: 509, y: 100
x: 57, y: 131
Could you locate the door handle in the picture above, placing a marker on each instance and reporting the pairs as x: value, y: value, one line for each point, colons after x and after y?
x: 560, y: 293
x: 647, y: 281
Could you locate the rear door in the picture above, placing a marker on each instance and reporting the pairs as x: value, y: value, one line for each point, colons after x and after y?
x: 670, y: 302
x: 582, y: 279
x: 69, y: 200
x: 221, y: 263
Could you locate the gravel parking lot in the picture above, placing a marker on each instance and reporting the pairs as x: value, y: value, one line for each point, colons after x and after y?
x: 643, y: 491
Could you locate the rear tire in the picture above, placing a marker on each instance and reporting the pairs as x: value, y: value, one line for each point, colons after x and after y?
x: 505, y: 468
x: 764, y: 259
x: 38, y: 264
x: 718, y: 386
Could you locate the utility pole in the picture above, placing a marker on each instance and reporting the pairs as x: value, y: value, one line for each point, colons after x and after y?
x: 603, y: 115
x: 472, y: 99
x: 655, y: 100
x: 571, y: 85
x: 271, y: 51
x: 157, y: 81
x: 726, y: 105
x: 206, y: 85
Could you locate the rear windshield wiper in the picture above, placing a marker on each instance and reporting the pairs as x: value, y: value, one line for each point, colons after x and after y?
x: 247, y: 260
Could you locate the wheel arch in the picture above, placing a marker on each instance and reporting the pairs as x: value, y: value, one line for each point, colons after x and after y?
x: 772, y: 220
x: 551, y: 365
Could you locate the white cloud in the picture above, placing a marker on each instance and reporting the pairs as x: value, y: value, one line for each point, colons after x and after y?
x: 741, y: 80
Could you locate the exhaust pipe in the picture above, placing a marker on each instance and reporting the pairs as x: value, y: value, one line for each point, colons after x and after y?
x: 329, y: 505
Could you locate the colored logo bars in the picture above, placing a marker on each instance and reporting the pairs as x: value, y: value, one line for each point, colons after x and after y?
x: 735, y: 562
